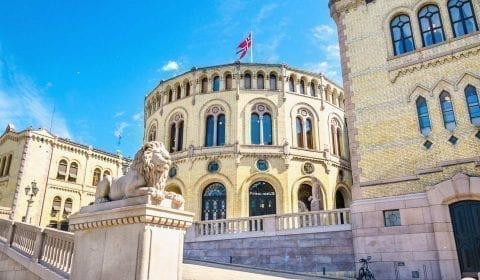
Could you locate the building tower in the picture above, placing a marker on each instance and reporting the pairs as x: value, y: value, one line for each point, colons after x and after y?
x: 412, y: 81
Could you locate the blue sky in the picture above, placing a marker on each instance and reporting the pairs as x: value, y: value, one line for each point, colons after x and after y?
x: 93, y: 62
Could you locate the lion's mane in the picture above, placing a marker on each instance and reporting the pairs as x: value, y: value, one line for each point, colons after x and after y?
x: 142, y: 163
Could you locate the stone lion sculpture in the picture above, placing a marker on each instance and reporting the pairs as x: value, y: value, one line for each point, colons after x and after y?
x: 147, y: 176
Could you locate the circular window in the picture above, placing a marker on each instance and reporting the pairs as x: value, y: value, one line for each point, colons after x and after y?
x: 213, y: 166
x: 308, y: 168
x: 262, y: 165
x: 172, y: 172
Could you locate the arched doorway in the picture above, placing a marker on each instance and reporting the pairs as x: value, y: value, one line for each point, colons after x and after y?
x: 304, y: 198
x: 339, y: 200
x: 262, y: 199
x: 174, y: 189
x: 214, y: 204
x: 465, y: 217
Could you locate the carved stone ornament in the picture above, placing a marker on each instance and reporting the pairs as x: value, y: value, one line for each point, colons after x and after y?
x: 146, y: 176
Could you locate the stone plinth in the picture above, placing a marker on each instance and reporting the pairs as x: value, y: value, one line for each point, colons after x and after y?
x: 129, y: 239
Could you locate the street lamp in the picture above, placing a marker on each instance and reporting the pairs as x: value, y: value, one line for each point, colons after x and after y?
x: 32, y: 192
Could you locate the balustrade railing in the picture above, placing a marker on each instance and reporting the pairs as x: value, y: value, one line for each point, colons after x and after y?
x: 48, y: 247
x: 271, y: 224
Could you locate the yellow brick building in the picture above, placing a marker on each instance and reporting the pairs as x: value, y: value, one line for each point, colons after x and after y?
x: 64, y: 172
x: 252, y: 139
x: 411, y: 74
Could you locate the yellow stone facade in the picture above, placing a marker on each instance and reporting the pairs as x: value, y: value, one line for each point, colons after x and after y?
x: 236, y: 91
x: 36, y: 156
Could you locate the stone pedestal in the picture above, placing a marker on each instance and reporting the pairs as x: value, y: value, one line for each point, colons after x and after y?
x: 129, y: 239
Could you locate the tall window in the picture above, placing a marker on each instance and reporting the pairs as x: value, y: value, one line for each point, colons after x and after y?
x: 462, y: 17
x: 56, y: 205
x: 261, y: 125
x: 447, y: 111
x: 214, y: 202
x: 260, y: 81
x: 6, y: 171
x: 228, y: 82
x: 304, y: 129
x: 423, y: 117
x: 106, y: 172
x: 302, y: 87
x: 430, y: 25
x: 216, y: 83
x: 247, y: 79
x: 204, y: 87
x: 67, y: 208
x: 152, y: 133
x: 62, y: 170
x: 471, y: 96
x: 273, y: 82
x: 187, y: 89
x: 262, y: 199
x: 291, y: 84
x: 176, y: 132
x: 312, y: 89
x: 3, y: 160
x: 402, y: 36
x: 179, y: 92
x: 215, y: 126
x: 336, y: 136
x: 170, y: 96
x: 72, y: 172
x: 96, y: 176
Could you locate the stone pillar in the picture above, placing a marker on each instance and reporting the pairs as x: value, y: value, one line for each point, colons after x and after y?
x: 129, y: 239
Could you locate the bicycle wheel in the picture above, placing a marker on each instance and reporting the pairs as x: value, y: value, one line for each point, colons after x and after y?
x: 361, y: 274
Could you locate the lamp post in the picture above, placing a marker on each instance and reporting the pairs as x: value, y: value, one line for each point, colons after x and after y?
x: 32, y: 192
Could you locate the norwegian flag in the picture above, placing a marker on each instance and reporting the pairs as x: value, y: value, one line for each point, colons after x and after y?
x: 244, y: 46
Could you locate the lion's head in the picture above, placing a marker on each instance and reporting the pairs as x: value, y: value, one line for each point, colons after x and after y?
x: 152, y: 161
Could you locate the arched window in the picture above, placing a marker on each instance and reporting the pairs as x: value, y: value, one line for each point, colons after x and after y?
x: 216, y: 83
x: 430, y: 25
x: 423, y: 117
x: 304, y: 129
x: 176, y: 132
x: 170, y: 96
x: 273, y: 82
x: 471, y: 96
x: 402, y: 36
x: 312, y: 89
x: 214, y: 202
x: 304, y: 195
x: 447, y: 110
x: 106, y: 172
x: 247, y: 79
x: 187, y: 89
x: 56, y: 205
x: 262, y: 199
x: 152, y: 134
x: 3, y: 160
x: 7, y: 165
x: 261, y: 125
x: 462, y: 17
x: 96, y: 176
x: 204, y: 87
x: 179, y: 92
x: 62, y: 170
x: 302, y: 87
x: 174, y: 189
x: 72, y: 172
x: 336, y: 135
x: 291, y: 84
x: 228, y: 82
x: 339, y: 200
x: 260, y: 81
x: 215, y: 126
x: 67, y: 208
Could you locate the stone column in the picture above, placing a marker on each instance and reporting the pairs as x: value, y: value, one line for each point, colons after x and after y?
x: 129, y: 239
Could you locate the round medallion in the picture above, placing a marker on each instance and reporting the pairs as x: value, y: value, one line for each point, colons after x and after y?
x: 261, y: 108
x: 308, y: 168
x: 262, y: 165
x: 172, y: 172
x: 303, y: 113
x: 213, y: 166
x: 215, y: 110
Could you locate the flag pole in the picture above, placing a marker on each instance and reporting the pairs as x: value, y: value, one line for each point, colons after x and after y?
x: 251, y: 47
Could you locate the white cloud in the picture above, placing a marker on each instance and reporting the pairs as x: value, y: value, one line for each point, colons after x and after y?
x: 138, y: 116
x: 120, y: 127
x: 119, y: 114
x: 326, y: 68
x: 24, y: 104
x: 332, y: 51
x: 170, y: 66
x: 323, y: 32
x: 264, y: 12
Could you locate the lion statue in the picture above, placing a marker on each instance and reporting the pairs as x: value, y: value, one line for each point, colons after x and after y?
x: 147, y: 176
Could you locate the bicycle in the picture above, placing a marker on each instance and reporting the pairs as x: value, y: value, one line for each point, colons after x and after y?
x: 365, y: 273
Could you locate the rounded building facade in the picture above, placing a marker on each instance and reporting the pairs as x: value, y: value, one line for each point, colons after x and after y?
x: 252, y: 139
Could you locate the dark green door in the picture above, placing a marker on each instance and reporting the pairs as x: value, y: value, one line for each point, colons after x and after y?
x: 262, y: 199
x: 466, y: 229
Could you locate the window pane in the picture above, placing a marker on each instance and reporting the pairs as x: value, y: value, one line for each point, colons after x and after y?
x: 216, y: 83
x: 180, y: 136
x: 209, y: 132
x: 204, y: 85
x: 172, y: 137
x: 255, y: 129
x: 308, y: 131
x: 221, y: 130
x: 423, y: 118
x: 299, y: 128
x: 273, y: 82
x: 291, y: 85
x: 228, y: 82
x: 470, y: 25
x: 267, y: 129
x: 248, y: 81
x: 260, y: 81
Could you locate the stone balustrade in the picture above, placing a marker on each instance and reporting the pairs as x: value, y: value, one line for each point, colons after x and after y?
x: 48, y: 247
x: 270, y: 225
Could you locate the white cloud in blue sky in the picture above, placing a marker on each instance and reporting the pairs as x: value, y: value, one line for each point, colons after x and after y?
x: 170, y: 66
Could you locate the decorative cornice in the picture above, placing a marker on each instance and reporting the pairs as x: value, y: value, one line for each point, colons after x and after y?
x: 144, y: 219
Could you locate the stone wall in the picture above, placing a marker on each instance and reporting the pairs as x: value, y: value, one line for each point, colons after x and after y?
x: 310, y: 252
x: 10, y: 270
